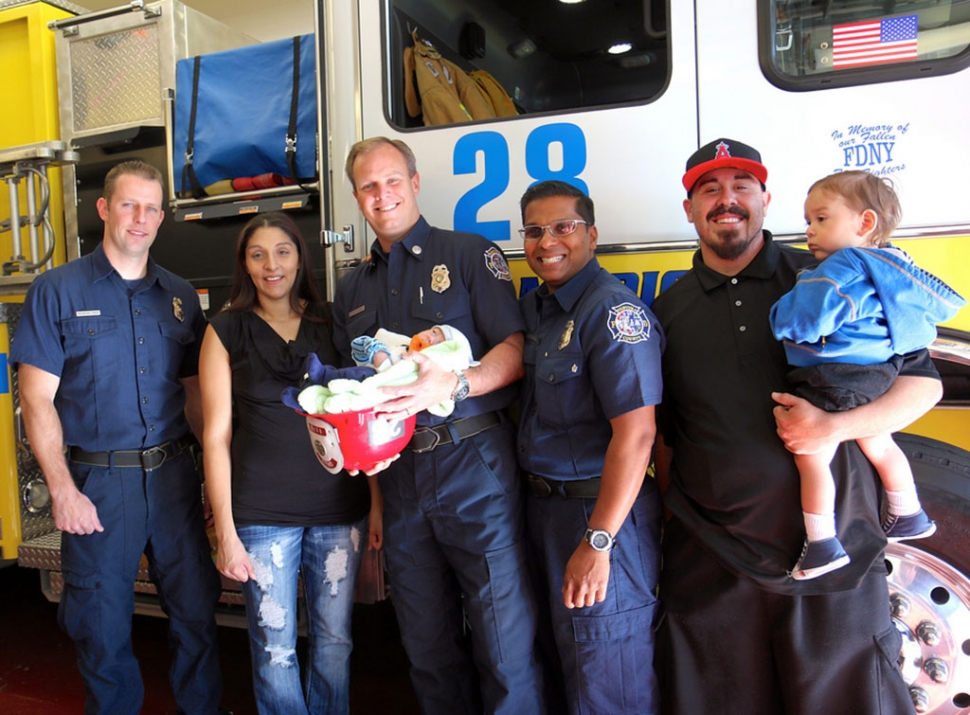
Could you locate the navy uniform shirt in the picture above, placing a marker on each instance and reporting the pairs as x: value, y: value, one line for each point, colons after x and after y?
x: 592, y: 353
x: 119, y: 355
x: 432, y: 277
x: 733, y: 485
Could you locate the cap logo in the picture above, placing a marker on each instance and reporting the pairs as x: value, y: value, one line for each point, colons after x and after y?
x: 723, y: 151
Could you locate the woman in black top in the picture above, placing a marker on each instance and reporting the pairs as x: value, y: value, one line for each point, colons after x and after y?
x: 277, y: 512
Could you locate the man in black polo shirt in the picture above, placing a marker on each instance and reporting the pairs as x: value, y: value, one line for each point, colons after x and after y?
x: 739, y: 634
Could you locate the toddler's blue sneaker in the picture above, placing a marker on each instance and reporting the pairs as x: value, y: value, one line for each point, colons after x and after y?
x: 818, y: 558
x: 914, y: 526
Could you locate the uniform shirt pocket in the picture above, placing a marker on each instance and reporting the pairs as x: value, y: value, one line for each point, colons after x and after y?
x: 447, y: 308
x: 180, y: 333
x: 91, y: 345
x: 178, y: 356
x: 561, y: 391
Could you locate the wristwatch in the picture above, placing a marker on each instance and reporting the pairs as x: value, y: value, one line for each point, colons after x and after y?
x: 600, y: 539
x: 461, y: 391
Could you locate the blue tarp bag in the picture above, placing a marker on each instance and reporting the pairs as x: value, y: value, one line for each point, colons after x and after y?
x: 244, y: 113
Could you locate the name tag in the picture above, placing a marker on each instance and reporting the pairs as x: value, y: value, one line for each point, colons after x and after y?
x: 87, y: 313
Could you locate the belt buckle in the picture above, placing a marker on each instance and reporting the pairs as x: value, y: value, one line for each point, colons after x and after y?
x: 425, y: 430
x: 148, y: 455
x: 541, y: 489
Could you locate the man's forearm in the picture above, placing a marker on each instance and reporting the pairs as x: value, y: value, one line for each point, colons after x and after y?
x: 46, y: 438
x: 500, y: 366
x: 909, y: 399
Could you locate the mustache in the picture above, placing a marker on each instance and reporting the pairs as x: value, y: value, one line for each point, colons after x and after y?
x: 735, y: 211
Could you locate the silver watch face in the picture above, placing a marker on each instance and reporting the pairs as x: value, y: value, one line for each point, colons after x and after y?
x: 461, y: 392
x: 599, y: 539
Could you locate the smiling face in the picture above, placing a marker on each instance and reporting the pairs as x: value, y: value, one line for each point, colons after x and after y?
x: 556, y: 260
x: 386, y: 193
x: 131, y: 218
x: 727, y: 207
x: 272, y: 262
x: 832, y: 225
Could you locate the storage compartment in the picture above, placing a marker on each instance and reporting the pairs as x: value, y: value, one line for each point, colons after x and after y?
x: 246, y: 118
x: 115, y: 66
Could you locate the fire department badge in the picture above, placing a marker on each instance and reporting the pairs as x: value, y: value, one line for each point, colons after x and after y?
x: 567, y: 334
x: 177, y: 309
x: 628, y: 323
x: 440, y: 278
x: 497, y: 265
x: 326, y: 444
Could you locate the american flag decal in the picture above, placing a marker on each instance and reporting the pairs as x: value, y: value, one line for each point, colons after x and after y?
x: 874, y: 42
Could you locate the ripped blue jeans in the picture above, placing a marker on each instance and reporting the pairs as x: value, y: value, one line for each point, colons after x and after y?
x: 328, y: 558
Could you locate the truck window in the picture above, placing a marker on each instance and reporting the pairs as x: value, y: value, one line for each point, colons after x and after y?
x: 547, y: 57
x: 813, y: 44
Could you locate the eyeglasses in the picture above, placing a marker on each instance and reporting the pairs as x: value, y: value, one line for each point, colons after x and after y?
x: 560, y: 229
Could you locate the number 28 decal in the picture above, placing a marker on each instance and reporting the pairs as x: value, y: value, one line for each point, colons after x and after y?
x: 495, y: 151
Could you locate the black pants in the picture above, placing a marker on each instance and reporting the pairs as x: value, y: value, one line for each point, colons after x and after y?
x: 727, y: 646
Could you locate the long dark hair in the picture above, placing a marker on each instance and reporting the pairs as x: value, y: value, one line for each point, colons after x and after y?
x: 243, y: 296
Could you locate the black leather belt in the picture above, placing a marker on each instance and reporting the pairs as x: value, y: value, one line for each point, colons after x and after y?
x: 543, y: 487
x: 427, y: 438
x: 147, y: 459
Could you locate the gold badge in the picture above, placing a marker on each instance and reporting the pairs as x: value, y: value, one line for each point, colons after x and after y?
x: 177, y: 309
x: 440, y: 280
x: 567, y: 334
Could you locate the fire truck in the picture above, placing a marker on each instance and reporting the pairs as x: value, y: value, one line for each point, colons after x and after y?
x: 610, y: 96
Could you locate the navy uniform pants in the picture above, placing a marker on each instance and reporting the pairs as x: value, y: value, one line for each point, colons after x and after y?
x: 454, y: 546
x: 601, y: 657
x: 158, y: 513
x: 727, y: 646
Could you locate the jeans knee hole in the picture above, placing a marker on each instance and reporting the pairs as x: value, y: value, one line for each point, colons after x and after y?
x: 271, y: 613
x: 335, y: 568
x: 280, y: 656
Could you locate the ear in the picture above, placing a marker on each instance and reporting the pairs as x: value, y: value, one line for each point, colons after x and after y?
x: 767, y: 199
x: 416, y: 183
x: 868, y: 223
x: 690, y: 218
x: 593, y: 236
x: 102, y: 208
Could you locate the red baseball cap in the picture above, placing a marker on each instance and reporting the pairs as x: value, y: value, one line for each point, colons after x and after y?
x: 722, y: 153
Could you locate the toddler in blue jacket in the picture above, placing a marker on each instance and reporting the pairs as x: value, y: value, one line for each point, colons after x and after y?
x: 846, y: 325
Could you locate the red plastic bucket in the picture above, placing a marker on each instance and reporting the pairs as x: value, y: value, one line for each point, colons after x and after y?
x: 356, y: 440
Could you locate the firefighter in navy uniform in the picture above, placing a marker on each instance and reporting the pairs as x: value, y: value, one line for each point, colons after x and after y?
x: 453, y: 513
x: 107, y: 353
x: 592, y: 360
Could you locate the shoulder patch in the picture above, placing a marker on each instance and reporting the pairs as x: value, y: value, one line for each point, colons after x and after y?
x: 497, y: 264
x: 628, y: 323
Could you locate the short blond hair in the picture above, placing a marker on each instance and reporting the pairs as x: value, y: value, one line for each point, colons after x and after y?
x: 368, y: 145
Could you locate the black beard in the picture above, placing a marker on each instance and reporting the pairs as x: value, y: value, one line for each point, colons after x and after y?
x: 731, y: 245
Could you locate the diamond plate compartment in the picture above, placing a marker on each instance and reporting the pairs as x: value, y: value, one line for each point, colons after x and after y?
x: 116, y: 79
x: 32, y: 523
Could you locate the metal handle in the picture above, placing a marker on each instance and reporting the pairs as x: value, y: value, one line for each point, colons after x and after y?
x: 329, y: 238
x: 69, y: 24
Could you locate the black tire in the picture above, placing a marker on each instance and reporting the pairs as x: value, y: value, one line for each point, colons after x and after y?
x: 929, y: 588
x: 943, y: 479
